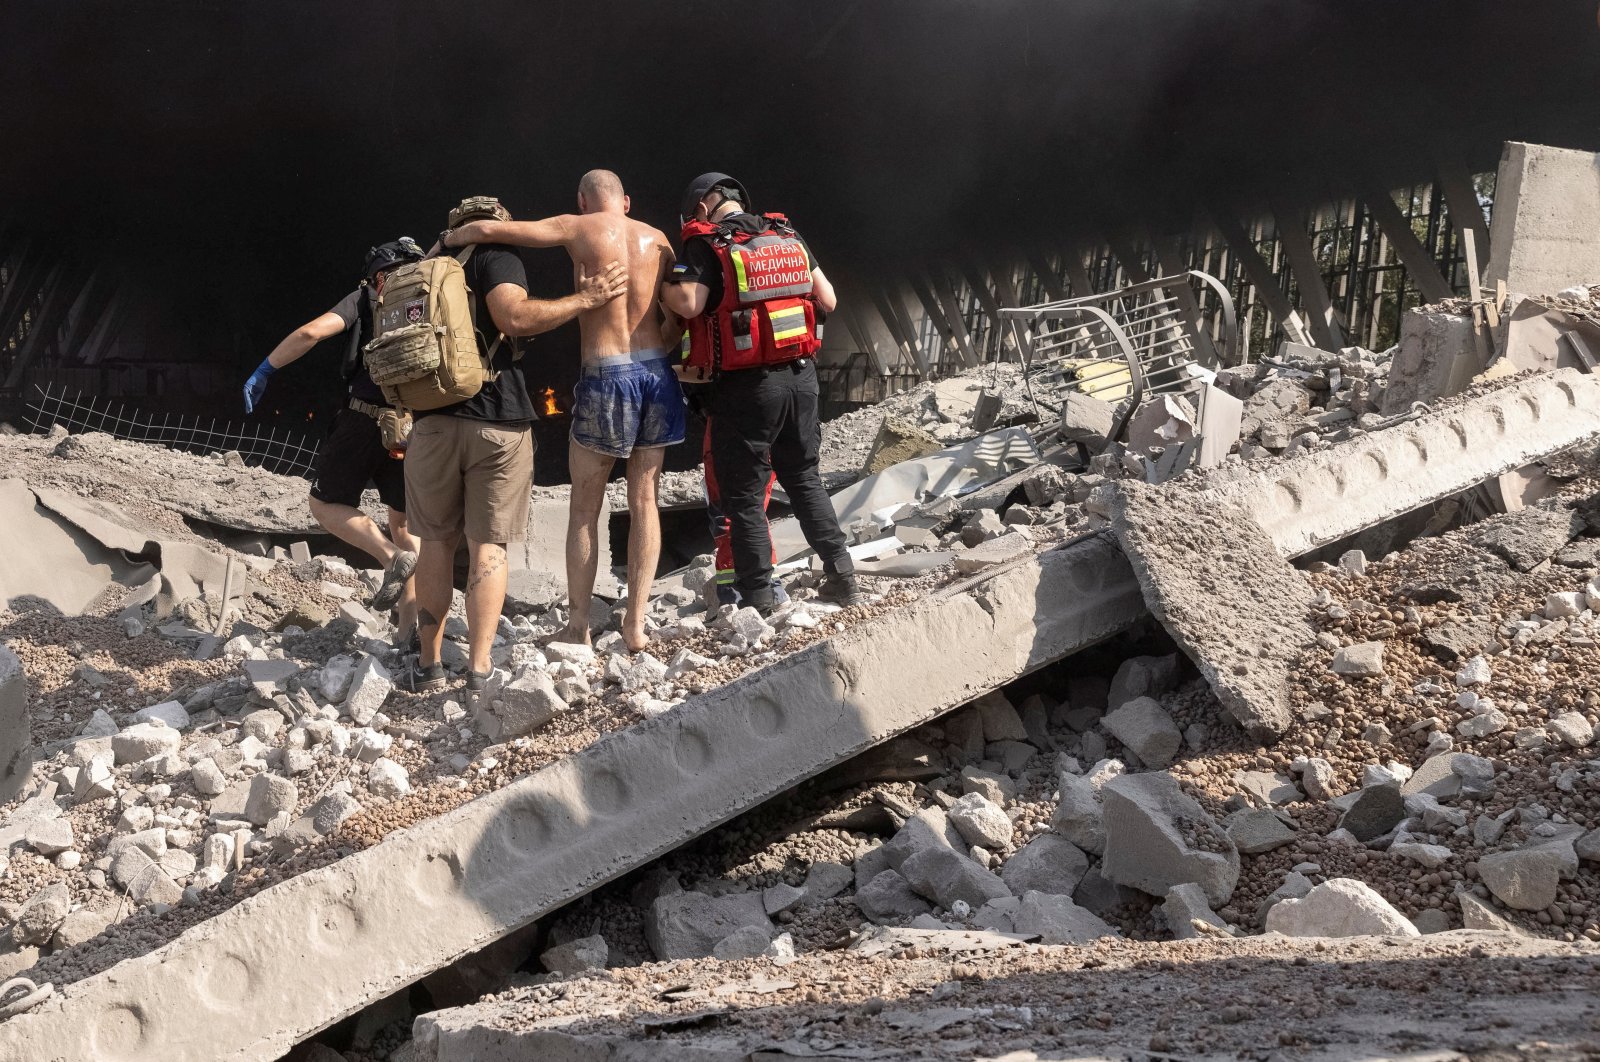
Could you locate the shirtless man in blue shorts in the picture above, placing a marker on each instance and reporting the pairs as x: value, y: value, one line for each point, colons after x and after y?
x: 628, y: 404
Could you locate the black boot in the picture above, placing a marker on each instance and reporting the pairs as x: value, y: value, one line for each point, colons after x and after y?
x: 841, y: 589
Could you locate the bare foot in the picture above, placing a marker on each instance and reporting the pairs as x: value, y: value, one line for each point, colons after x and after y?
x: 634, y: 637
x: 573, y: 636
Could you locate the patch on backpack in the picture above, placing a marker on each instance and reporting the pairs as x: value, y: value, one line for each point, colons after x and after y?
x: 414, y: 311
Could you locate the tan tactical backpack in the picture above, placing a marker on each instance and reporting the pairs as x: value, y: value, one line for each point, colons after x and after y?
x: 424, y: 353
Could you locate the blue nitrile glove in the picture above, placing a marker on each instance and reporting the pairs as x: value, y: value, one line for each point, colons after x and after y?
x: 256, y: 386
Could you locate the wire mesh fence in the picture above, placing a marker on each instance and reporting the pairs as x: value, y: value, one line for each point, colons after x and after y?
x: 274, y: 449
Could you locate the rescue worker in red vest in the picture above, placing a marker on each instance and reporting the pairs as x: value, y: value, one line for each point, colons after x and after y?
x: 753, y: 300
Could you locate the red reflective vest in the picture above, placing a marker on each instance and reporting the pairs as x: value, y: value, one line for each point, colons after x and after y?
x: 767, y: 315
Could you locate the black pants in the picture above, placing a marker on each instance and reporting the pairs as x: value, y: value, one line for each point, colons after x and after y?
x: 764, y: 421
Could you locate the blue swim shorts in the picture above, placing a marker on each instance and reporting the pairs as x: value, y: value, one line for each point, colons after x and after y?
x: 627, y: 401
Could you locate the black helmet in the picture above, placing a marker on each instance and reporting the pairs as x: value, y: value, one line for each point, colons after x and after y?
x: 702, y: 185
x: 388, y: 255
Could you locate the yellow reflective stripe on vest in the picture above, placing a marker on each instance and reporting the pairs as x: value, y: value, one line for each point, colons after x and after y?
x: 787, y: 323
x: 738, y: 269
x: 684, y: 345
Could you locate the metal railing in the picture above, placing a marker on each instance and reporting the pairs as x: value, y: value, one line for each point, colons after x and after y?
x: 276, y: 450
x: 1126, y: 344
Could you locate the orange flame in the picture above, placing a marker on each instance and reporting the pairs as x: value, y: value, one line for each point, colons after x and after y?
x: 550, y: 407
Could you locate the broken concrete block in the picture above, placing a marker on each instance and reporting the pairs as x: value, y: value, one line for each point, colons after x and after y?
x: 387, y: 779
x: 511, y: 709
x: 264, y: 725
x: 1161, y: 422
x: 1545, y: 203
x: 1047, y: 864
x: 1146, y: 729
x: 746, y: 942
x: 138, y: 743
x: 982, y: 526
x: 996, y: 788
x: 1057, y: 920
x: 368, y: 744
x: 1573, y: 729
x: 333, y: 681
x: 1526, y: 878
x: 269, y: 797
x: 1157, y: 836
x: 1268, y: 788
x: 827, y: 880
x: 1079, y: 816
x: 1001, y: 722
x: 49, y: 837
x: 689, y: 925
x: 1359, y: 661
x: 980, y: 822
x: 41, y: 915
x: 1437, y: 357
x: 1427, y: 855
x: 327, y: 813
x: 79, y: 927
x: 170, y: 713
x: 898, y: 441
x: 1141, y: 676
x: 1489, y: 720
x: 1101, y: 895
x: 370, y: 686
x: 1257, y: 830
x: 888, y: 897
x: 144, y: 878
x: 945, y: 876
x: 576, y: 956
x: 1086, y: 419
x: 1476, y: 914
x: 1342, y: 907
x: 781, y: 897
x: 1377, y: 810
x: 928, y: 828
x: 1002, y: 550
x: 1186, y: 904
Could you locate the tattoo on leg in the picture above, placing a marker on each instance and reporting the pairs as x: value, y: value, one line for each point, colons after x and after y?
x: 426, y: 619
x: 484, y: 571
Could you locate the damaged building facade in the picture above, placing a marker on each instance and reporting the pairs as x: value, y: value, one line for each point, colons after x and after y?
x: 1227, y: 683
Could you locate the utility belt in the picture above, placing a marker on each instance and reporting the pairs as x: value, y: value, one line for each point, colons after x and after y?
x: 393, y: 425
x: 794, y: 365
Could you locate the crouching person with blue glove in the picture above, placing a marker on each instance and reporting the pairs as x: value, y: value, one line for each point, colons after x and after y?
x: 365, y: 444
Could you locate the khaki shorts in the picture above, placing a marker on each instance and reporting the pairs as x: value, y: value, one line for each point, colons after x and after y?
x: 468, y: 475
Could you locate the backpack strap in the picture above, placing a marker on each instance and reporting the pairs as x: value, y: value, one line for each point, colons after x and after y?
x: 489, y: 372
x: 352, y: 353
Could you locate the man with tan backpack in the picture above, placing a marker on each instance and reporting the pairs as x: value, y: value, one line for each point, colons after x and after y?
x: 357, y: 451
x: 445, y: 350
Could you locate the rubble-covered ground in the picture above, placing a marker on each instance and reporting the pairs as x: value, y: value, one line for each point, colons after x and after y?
x: 1439, y: 776
x: 1477, y: 995
x: 1442, y: 779
x: 177, y: 776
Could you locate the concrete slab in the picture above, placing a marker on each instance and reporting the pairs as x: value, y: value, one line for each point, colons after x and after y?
x: 16, y: 756
x: 57, y: 562
x: 1230, y: 598
x: 1320, y: 497
x: 1546, y: 232
x: 274, y: 969
x: 545, y: 550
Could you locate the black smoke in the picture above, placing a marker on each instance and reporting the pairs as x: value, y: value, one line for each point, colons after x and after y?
x: 236, y: 159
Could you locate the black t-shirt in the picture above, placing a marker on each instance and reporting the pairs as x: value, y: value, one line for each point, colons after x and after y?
x: 503, y: 400
x: 355, y: 310
x: 700, y: 265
